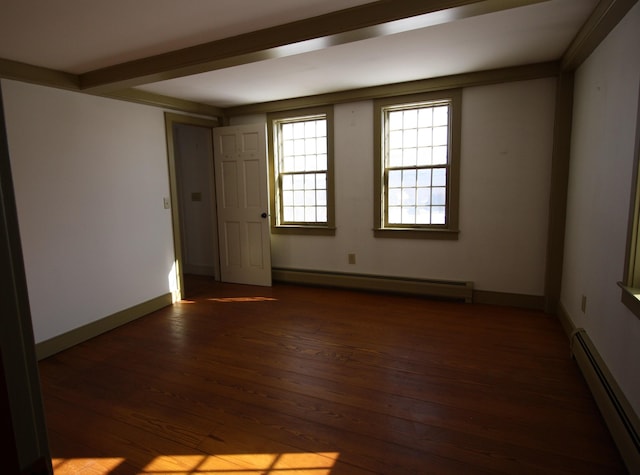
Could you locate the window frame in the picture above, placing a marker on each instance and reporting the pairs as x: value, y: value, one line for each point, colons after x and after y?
x: 449, y: 230
x: 630, y: 284
x: 274, y: 119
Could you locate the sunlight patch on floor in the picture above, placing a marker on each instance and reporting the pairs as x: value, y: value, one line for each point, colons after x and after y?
x: 243, y: 299
x: 85, y: 465
x: 228, y: 464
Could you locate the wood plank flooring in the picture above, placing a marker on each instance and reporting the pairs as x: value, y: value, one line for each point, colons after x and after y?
x: 297, y: 380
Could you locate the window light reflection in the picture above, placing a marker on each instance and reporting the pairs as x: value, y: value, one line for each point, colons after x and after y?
x: 312, y: 463
x: 243, y: 299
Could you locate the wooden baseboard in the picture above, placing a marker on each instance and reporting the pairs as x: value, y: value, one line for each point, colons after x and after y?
x: 431, y: 288
x: 504, y: 299
x: 621, y: 419
x: 78, y: 335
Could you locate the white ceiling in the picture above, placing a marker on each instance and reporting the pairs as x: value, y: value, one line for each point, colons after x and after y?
x: 78, y: 36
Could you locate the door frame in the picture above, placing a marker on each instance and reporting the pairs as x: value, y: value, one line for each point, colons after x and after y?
x: 171, y: 119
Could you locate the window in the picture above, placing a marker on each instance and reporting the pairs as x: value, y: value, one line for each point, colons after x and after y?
x: 417, y: 154
x: 301, y: 166
x: 631, y: 283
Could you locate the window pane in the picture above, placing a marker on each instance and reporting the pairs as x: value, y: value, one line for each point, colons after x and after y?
x: 310, y: 146
x: 395, y: 120
x: 439, y: 177
x: 321, y: 214
x: 408, y: 197
x: 287, y: 198
x: 425, y: 117
x: 424, y: 156
x: 423, y: 215
x: 395, y: 178
x: 395, y: 139
x: 408, y: 178
x: 310, y: 163
x: 395, y: 214
x: 299, y: 163
x: 298, y: 214
x: 287, y: 182
x: 321, y: 198
x: 410, y: 138
x: 310, y: 214
x: 438, y: 215
x: 288, y: 164
x: 310, y: 128
x: 321, y: 128
x: 310, y: 198
x: 408, y: 215
x: 309, y: 181
x: 321, y: 162
x: 321, y: 146
x: 409, y: 157
x: 441, y: 115
x: 288, y: 213
x: 321, y: 181
x: 423, y: 197
x: 395, y: 157
x: 424, y: 177
x: 287, y: 131
x: 298, y: 182
x: 440, y: 136
x: 410, y: 119
x: 425, y: 137
x: 438, y: 196
x: 395, y: 197
x: 439, y: 155
x: 298, y: 198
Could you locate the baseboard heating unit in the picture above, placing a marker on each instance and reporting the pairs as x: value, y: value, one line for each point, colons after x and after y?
x: 618, y: 414
x: 429, y: 288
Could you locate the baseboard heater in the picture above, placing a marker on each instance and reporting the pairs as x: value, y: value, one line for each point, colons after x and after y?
x: 425, y: 287
x: 618, y: 414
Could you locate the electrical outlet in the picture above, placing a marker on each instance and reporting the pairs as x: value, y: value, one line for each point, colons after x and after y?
x: 166, y: 202
x: 583, y: 304
x: 352, y: 258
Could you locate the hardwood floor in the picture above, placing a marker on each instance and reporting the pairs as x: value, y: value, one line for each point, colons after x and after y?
x: 296, y: 380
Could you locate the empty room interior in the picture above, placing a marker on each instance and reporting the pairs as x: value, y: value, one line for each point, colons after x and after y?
x: 320, y: 236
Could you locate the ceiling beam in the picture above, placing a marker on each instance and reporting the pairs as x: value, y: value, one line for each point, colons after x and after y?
x: 602, y: 20
x: 381, y: 18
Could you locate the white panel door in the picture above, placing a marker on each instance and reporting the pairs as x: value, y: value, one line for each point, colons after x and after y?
x: 243, y: 202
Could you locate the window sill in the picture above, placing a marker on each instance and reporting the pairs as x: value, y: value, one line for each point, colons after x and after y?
x: 404, y: 233
x: 304, y: 230
x: 631, y: 298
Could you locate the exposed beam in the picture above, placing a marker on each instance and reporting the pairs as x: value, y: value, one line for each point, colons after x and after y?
x: 602, y: 20
x: 371, y: 20
x: 165, y: 102
x: 38, y: 75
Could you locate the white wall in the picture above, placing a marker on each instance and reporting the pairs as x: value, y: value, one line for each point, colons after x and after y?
x: 90, y: 175
x: 507, y: 134
x: 604, y: 128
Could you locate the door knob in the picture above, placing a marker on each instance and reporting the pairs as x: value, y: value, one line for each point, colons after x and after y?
x: 263, y: 215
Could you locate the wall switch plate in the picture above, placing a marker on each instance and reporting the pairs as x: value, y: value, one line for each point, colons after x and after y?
x: 166, y: 202
x: 352, y: 258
